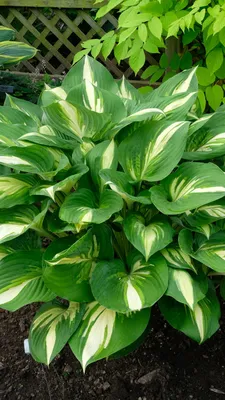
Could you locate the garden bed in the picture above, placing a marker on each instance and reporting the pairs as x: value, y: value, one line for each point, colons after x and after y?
x: 177, y: 367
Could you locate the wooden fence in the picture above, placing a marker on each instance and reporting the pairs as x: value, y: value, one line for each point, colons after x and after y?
x: 57, y: 28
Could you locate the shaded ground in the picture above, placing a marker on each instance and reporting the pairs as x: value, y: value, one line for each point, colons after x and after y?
x: 180, y: 369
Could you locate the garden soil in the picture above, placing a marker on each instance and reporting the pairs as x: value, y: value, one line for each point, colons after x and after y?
x: 167, y: 366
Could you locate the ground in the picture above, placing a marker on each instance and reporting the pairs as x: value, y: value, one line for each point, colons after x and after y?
x: 167, y: 366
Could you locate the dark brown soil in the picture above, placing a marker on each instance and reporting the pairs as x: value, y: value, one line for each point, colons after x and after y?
x: 180, y: 369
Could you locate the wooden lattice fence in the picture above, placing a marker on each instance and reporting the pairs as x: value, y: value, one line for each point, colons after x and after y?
x: 57, y: 28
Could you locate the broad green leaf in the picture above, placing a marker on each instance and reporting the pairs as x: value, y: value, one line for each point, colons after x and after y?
x: 130, y: 290
x: 34, y: 158
x: 148, y: 239
x: 21, y: 280
x: 12, y: 116
x: 155, y: 27
x: 150, y: 71
x: 98, y: 100
x: 206, y: 138
x: 52, y: 327
x: 16, y: 221
x: 103, y: 155
x: 68, y: 263
x: 178, y: 259
x: 214, y: 60
x: 210, y: 252
x: 14, y: 52
x: 157, y: 153
x: 207, y: 214
x: 10, y: 135
x: 192, y: 185
x: 93, y: 71
x: 137, y: 60
x: 108, y: 46
x: 199, y: 324
x: 214, y: 95
x: 204, y: 76
x: 15, y: 189
x: 50, y: 189
x: 186, y: 288
x: 76, y: 121
x: 142, y: 32
x: 103, y: 332
x: 119, y: 182
x: 107, y: 8
x: 83, y: 207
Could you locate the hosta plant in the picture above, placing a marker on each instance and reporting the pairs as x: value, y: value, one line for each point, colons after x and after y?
x: 111, y: 201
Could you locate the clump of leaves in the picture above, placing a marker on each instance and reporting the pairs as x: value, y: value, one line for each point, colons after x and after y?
x: 128, y: 192
x: 12, y: 53
x: 177, y: 34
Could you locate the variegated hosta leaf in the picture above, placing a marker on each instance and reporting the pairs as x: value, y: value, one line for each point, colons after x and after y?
x: 21, y: 280
x: 93, y: 71
x: 186, y: 288
x: 52, y: 95
x: 16, y: 221
x: 157, y: 153
x: 129, y: 94
x: 11, y: 116
x: 119, y: 182
x: 83, y: 207
x: 14, y: 52
x: 47, y: 136
x: 200, y: 323
x: 191, y: 186
x: 124, y: 291
x: 98, y: 100
x: 148, y: 239
x: 15, y: 189
x: 209, y: 252
x: 206, y: 214
x: 34, y: 158
x: 51, y: 329
x: 69, y: 262
x: 31, y: 109
x: 208, y: 141
x: 178, y: 259
x: 6, y: 33
x: 49, y: 189
x: 10, y: 134
x: 176, y: 96
x: 103, y: 155
x: 103, y: 332
x: 5, y: 251
x: 77, y: 121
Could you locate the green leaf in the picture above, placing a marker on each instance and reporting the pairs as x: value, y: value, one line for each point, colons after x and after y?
x: 33, y: 110
x: 12, y: 116
x: 191, y: 186
x: 155, y: 27
x: 164, y: 62
x: 103, y: 155
x: 68, y: 262
x: 214, y: 95
x: 124, y: 291
x: 199, y: 324
x: 119, y: 182
x: 21, y: 280
x: 107, y: 8
x: 49, y: 96
x: 186, y: 61
x: 207, y: 214
x: 83, y: 207
x: 205, y: 78
x: 98, y: 333
x: 6, y: 33
x: 108, y: 46
x: 151, y: 47
x: 150, y: 71
x: 137, y: 60
x: 142, y: 32
x: 214, y: 60
x: 156, y: 154
x: 13, y: 53
x: 121, y: 51
x: 186, y: 288
x: 156, y: 76
x: 52, y: 327
x: 93, y: 71
x: 148, y: 239
x: 189, y: 36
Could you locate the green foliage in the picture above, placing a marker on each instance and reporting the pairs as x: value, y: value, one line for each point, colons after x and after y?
x: 178, y: 35
x: 129, y: 189
x: 12, y: 53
